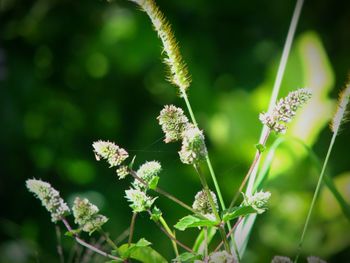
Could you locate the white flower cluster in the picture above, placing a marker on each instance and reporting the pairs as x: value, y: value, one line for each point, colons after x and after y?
x: 114, y: 155
x: 202, y: 205
x: 221, y: 257
x: 285, y: 110
x: 147, y: 172
x: 193, y: 147
x: 50, y: 198
x: 139, y: 200
x: 281, y: 259
x: 173, y: 122
x: 258, y: 201
x: 86, y: 215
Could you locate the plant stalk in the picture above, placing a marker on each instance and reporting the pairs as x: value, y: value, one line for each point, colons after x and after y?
x: 167, y: 228
x: 132, y: 227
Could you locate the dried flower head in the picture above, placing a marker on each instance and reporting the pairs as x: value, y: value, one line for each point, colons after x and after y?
x: 139, y: 200
x: 110, y: 152
x: 341, y: 113
x: 86, y: 215
x: 258, y: 201
x: 285, y: 110
x: 178, y: 73
x: 221, y: 257
x: 201, y: 203
x: 193, y: 147
x: 173, y: 122
x: 313, y: 259
x: 50, y: 198
x: 148, y: 171
x: 281, y: 259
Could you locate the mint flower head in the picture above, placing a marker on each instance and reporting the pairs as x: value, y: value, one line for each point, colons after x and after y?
x: 139, y: 200
x: 258, y: 201
x: 149, y: 171
x: 221, y: 257
x: 202, y: 205
x: 281, y: 259
x: 173, y: 122
x: 86, y: 215
x: 49, y: 197
x: 110, y: 152
x: 193, y: 147
x: 285, y: 110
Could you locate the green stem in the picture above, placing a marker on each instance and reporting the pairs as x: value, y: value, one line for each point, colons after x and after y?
x: 108, y: 240
x: 318, y: 187
x: 132, y: 227
x: 167, y: 228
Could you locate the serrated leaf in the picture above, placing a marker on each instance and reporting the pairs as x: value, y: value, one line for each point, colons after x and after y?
x: 153, y: 183
x: 235, y: 212
x: 193, y: 221
x: 187, y: 257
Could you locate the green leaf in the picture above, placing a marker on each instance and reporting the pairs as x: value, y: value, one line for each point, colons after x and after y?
x: 72, y: 233
x: 200, y: 243
x: 153, y: 183
x: 237, y: 212
x: 131, y: 164
x: 187, y: 257
x: 193, y: 221
x: 261, y: 148
x: 141, y: 252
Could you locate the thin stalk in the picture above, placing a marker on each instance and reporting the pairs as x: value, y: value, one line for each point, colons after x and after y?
x: 228, y: 235
x: 59, y: 244
x: 251, y: 169
x: 163, y: 192
x: 213, y: 206
x: 107, y: 238
x: 132, y: 228
x: 206, y: 241
x: 87, y: 245
x: 318, y: 187
x: 167, y: 228
x: 208, y: 161
x: 171, y: 236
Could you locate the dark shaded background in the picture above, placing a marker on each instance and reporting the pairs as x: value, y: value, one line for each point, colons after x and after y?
x: 72, y: 72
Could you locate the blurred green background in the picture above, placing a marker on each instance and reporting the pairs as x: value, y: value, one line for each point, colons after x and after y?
x: 72, y: 72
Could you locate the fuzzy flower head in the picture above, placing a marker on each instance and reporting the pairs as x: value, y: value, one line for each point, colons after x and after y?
x: 313, y: 259
x: 221, y: 257
x: 281, y: 259
x: 173, y: 122
x: 86, y: 215
x: 341, y: 114
x: 50, y: 198
x: 202, y: 205
x: 258, y: 201
x: 193, y: 147
x: 139, y: 200
x: 149, y: 171
x: 285, y: 110
x: 122, y: 171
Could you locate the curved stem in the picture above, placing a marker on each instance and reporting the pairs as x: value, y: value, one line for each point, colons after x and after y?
x: 317, y: 190
x: 167, y: 228
x: 108, y: 240
x: 87, y: 245
x: 132, y: 227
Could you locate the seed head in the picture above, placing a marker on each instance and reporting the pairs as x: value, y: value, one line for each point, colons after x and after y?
x: 341, y: 113
x: 193, y: 147
x: 285, y: 110
x: 110, y: 152
x: 258, y: 201
x: 202, y: 205
x: 147, y: 172
x: 173, y: 122
x: 86, y: 215
x: 139, y: 200
x: 50, y: 198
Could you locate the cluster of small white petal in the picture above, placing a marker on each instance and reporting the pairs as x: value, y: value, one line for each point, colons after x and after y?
x: 202, y: 205
x: 173, y: 122
x: 258, y: 201
x: 285, y: 110
x: 50, y: 198
x: 139, y: 200
x: 114, y: 155
x: 147, y: 172
x: 313, y: 259
x: 86, y: 215
x: 221, y: 257
x: 281, y: 259
x: 193, y: 147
